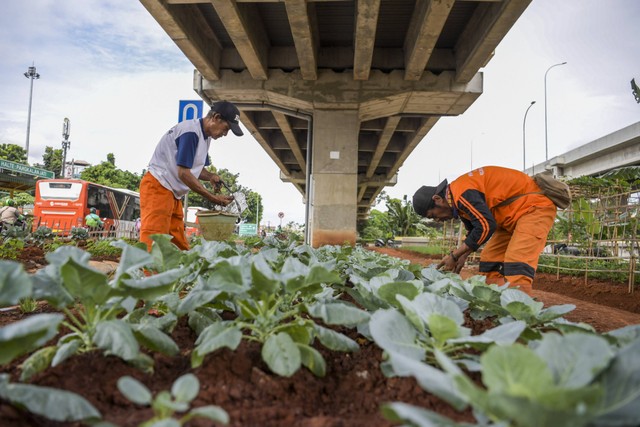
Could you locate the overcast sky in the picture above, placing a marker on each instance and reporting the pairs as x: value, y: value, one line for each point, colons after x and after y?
x: 110, y: 68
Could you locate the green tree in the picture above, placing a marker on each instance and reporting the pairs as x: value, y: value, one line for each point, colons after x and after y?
x: 403, y: 220
x: 51, y: 160
x: 111, y: 159
x: 376, y: 226
x: 22, y: 198
x: 13, y: 153
x: 107, y: 174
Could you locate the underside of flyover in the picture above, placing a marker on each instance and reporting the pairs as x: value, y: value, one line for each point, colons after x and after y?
x: 338, y: 92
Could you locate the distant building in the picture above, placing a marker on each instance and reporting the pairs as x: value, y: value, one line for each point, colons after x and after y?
x: 74, y: 168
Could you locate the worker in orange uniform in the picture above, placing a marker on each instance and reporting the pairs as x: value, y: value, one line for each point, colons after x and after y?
x: 502, y: 209
x: 177, y: 166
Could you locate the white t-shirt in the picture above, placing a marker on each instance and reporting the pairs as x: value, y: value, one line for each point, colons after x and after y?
x: 184, y: 145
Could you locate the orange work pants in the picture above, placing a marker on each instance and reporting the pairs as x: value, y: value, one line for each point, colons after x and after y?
x: 160, y: 213
x: 513, y: 257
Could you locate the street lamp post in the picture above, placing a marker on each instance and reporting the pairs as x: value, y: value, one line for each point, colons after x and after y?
x: 31, y: 74
x: 524, y: 151
x: 546, y: 145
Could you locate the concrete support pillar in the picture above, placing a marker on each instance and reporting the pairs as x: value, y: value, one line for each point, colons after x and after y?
x: 334, y: 177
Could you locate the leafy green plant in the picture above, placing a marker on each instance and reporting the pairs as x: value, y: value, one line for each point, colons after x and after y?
x: 50, y: 403
x: 11, y: 248
x: 273, y: 307
x: 28, y: 305
x: 93, y: 307
x: 166, y: 404
x: 576, y: 379
x: 79, y: 233
x: 103, y: 248
x: 42, y: 234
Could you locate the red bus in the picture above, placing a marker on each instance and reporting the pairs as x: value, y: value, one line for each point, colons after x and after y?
x: 61, y: 204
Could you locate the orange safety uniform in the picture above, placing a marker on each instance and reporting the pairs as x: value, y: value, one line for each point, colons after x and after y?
x: 514, y: 233
x: 155, y: 204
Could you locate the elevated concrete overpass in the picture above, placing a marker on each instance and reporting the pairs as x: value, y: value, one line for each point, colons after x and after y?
x: 338, y: 92
x: 618, y: 149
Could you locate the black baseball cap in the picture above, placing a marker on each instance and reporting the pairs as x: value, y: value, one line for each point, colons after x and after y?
x: 423, y: 198
x: 230, y: 113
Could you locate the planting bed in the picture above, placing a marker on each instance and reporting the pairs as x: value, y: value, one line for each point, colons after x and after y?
x: 240, y: 382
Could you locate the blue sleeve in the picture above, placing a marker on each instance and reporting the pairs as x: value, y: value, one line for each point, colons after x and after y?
x: 187, y: 144
x: 208, y: 161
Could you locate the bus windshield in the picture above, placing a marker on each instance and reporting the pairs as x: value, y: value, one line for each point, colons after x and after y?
x: 60, y: 190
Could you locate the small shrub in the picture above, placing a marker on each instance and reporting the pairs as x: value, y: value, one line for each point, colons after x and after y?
x: 79, y: 233
x: 102, y: 248
x: 11, y: 248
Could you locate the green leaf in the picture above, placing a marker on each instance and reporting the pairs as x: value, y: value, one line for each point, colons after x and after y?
x: 152, y: 287
x: 430, y: 379
x: 443, y: 328
x: 51, y: 403
x: 337, y: 313
x: 555, y: 311
x: 116, y: 337
x: 185, y: 388
x: 214, y: 337
x: 154, y: 339
x: 335, y: 340
x: 505, y: 334
x: 15, y: 284
x: 416, y: 416
x: 131, y: 259
x: 27, y: 334
x: 84, y: 283
x: 211, y: 412
x: 312, y: 359
x: 389, y: 291
x: 263, y: 286
x: 515, y: 370
x: 300, y: 331
x: 281, y: 354
x: 518, y: 298
x: 66, y: 350
x: 37, y: 362
x: 135, y: 391
x: 575, y: 359
x: 201, y: 318
x: 166, y: 255
x: 319, y: 274
x: 196, y: 299
x: 621, y: 382
x: 229, y: 278
x: 393, y: 333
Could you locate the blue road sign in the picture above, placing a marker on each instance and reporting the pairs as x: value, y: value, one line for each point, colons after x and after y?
x: 188, y: 110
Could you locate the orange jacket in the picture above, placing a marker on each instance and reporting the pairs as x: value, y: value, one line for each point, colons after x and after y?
x: 475, y: 195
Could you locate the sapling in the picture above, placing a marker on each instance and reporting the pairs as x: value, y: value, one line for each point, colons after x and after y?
x: 166, y: 404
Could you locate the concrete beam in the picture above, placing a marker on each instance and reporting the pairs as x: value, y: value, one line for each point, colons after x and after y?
x: 426, y: 25
x: 366, y: 24
x: 247, y: 33
x: 385, y: 137
x: 304, y: 31
x: 488, y: 26
x: 285, y: 127
x: 383, y: 95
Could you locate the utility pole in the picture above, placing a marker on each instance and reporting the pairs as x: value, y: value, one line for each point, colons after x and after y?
x: 32, y: 75
x: 66, y: 131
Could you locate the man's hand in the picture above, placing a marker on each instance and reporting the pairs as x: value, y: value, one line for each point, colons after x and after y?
x: 448, y: 263
x: 221, y: 199
x: 216, y: 183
